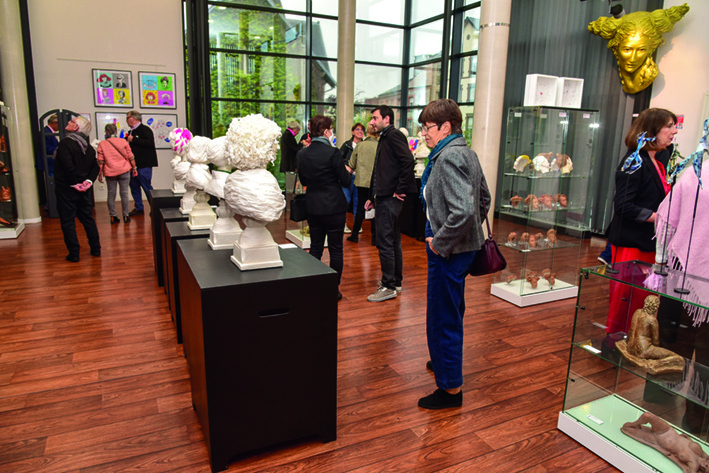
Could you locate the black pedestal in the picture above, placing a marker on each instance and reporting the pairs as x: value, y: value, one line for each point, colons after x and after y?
x: 174, y: 232
x: 160, y: 198
x: 261, y: 347
x: 167, y: 215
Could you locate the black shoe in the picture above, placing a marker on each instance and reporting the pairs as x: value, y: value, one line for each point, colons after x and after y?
x: 72, y: 258
x: 126, y: 219
x: 135, y: 212
x: 440, y: 399
x: 354, y: 238
x: 96, y: 253
x: 339, y: 295
x: 115, y: 219
x: 429, y: 366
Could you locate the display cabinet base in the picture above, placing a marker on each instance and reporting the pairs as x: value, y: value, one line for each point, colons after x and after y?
x: 302, y: 241
x: 11, y: 232
x: 596, y: 425
x: 526, y: 296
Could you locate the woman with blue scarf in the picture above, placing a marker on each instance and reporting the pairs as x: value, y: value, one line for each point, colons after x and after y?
x: 451, y: 189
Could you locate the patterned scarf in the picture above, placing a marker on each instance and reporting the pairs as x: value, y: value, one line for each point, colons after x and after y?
x: 427, y: 172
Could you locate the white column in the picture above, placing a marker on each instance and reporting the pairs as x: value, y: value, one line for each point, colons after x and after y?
x: 490, y: 86
x: 345, y: 69
x: 14, y: 92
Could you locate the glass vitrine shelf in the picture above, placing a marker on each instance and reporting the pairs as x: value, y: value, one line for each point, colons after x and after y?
x: 604, y: 389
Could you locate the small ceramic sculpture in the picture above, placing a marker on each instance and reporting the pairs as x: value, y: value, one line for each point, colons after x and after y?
x: 525, y: 237
x: 542, y: 162
x: 226, y: 230
x: 179, y: 139
x: 521, y: 163
x: 515, y: 201
x: 532, y: 241
x: 202, y: 216
x: 687, y: 454
x: 642, y: 348
x: 532, y: 202
x: 510, y: 279
x: 562, y: 200
x: 551, y: 236
x: 420, y: 155
x: 252, y: 191
x: 533, y: 279
x: 512, y: 237
x: 562, y: 163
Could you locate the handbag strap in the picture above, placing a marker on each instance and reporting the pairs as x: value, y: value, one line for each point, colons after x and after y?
x: 482, y: 201
x: 116, y: 147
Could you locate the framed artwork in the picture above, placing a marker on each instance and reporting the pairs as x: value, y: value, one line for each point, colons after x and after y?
x: 157, y: 90
x: 161, y: 124
x: 112, y: 88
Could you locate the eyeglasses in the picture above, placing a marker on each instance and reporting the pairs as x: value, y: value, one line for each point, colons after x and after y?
x: 425, y: 128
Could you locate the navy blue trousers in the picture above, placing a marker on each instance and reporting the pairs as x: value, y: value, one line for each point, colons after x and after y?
x: 444, y: 314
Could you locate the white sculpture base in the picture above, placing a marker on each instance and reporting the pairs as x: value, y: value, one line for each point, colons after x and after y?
x: 202, y: 216
x: 224, y: 233
x: 255, y: 249
x: 178, y: 186
x: 187, y: 202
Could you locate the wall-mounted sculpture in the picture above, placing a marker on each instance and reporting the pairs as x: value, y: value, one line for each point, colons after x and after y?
x: 634, y: 38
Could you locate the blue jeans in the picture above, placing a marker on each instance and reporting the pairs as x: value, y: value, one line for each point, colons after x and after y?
x: 445, y: 308
x: 351, y: 193
x: 388, y: 239
x: 141, y: 181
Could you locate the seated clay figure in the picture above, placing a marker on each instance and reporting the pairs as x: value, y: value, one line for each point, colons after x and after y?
x: 642, y: 346
x: 680, y: 448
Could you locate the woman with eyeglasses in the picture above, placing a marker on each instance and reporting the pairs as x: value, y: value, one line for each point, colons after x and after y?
x: 452, y: 187
x: 322, y: 171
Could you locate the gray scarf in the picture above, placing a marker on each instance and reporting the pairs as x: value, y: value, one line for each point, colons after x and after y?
x: 79, y: 138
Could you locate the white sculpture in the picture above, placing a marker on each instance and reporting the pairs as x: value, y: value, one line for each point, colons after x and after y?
x: 252, y: 191
x: 420, y: 154
x: 202, y: 216
x: 226, y: 230
x: 179, y: 141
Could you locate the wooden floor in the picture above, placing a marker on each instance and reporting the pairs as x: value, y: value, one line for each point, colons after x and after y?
x: 92, y: 379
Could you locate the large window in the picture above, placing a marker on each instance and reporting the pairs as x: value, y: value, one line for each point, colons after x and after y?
x: 279, y: 58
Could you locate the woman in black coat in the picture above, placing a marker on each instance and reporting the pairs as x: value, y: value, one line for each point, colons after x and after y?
x: 639, y: 190
x: 322, y: 171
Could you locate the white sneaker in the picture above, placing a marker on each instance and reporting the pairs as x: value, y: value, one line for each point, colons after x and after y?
x: 360, y: 229
x: 347, y: 229
x: 382, y: 294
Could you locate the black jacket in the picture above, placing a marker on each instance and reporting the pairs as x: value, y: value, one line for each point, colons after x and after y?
x: 289, y: 150
x: 346, y: 150
x: 637, y: 196
x: 322, y: 170
x: 74, y: 166
x: 393, y: 171
x: 143, y: 147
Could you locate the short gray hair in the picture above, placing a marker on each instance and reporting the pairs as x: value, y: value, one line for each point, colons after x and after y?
x: 294, y: 126
x: 135, y: 114
x: 84, y: 125
x: 110, y: 129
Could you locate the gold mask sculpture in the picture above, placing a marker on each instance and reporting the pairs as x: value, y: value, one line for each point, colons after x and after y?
x: 634, y: 38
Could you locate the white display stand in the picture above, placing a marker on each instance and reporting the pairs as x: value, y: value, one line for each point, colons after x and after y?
x: 202, y: 216
x: 226, y: 230
x: 7, y: 233
x: 187, y: 202
x: 300, y: 239
x: 255, y: 248
x: 526, y: 296
x: 540, y: 89
x: 178, y: 186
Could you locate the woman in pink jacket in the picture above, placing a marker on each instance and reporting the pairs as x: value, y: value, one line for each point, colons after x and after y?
x: 116, y: 163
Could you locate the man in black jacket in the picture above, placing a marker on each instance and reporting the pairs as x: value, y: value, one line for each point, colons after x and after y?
x: 75, y: 169
x: 392, y: 180
x: 289, y: 147
x: 142, y: 144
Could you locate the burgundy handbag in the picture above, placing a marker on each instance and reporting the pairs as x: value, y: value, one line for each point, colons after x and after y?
x: 488, y: 259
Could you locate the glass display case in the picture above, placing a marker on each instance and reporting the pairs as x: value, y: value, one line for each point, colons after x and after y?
x: 542, y: 210
x: 605, y: 389
x: 10, y: 227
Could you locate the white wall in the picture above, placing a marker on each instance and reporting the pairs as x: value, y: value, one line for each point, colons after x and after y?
x: 684, y: 72
x: 71, y: 37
